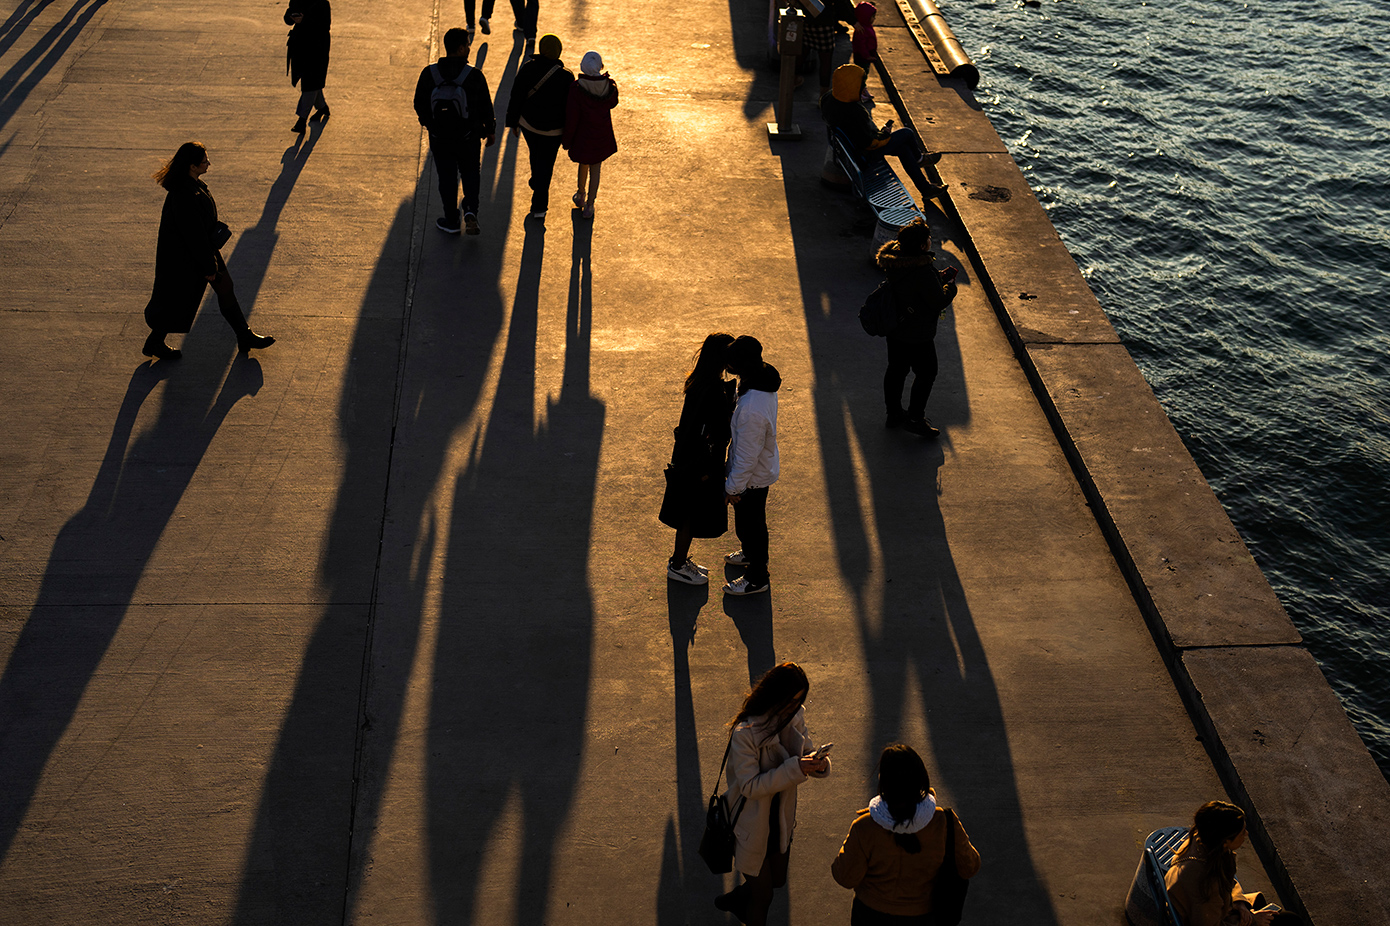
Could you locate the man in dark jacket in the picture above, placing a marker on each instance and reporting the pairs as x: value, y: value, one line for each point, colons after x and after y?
x: 455, y: 148
x: 920, y: 295
x: 537, y: 110
x: 841, y: 109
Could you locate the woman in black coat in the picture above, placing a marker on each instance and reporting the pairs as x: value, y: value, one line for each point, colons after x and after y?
x: 921, y: 295
x: 307, y: 56
x: 694, y: 502
x: 188, y: 258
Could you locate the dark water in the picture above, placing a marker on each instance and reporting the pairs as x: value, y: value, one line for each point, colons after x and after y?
x: 1218, y: 169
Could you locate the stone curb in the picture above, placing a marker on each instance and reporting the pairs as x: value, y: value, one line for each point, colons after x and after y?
x: 1277, y: 733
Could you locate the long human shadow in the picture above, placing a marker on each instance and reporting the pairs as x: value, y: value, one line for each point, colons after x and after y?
x: 914, y: 620
x: 20, y: 79
x: 514, y: 648
x: 411, y: 383
x: 101, y: 554
x: 686, y: 886
x: 98, y: 559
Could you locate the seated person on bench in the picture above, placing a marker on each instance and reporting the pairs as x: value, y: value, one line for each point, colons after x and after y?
x: 840, y: 108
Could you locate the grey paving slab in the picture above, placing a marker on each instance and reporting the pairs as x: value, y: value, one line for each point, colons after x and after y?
x: 1283, y: 728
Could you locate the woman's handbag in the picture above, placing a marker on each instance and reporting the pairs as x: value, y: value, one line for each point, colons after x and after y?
x: 948, y: 890
x: 221, y: 234
x: 718, y: 843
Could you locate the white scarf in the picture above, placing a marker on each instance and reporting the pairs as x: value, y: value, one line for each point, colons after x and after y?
x: 878, y: 810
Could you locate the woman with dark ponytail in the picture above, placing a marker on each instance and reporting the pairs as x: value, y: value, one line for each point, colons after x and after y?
x: 896, y: 847
x: 1202, y: 885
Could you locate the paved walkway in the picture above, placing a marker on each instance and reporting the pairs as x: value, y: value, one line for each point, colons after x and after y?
x: 373, y: 626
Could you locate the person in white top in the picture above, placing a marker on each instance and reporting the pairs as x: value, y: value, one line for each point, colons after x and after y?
x: 753, y: 464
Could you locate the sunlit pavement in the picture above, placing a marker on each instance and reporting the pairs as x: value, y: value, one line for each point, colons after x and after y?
x: 373, y: 626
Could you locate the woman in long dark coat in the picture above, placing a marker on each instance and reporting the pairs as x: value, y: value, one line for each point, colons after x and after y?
x: 188, y: 258
x: 307, y: 56
x: 694, y: 502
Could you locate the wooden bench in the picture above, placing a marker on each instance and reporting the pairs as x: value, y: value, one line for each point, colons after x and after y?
x: 875, y: 182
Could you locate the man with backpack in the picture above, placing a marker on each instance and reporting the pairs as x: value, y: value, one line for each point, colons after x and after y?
x: 453, y: 102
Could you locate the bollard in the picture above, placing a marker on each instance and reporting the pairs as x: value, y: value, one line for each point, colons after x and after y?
x: 790, y: 23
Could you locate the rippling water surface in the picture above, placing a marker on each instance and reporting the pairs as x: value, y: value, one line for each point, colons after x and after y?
x: 1218, y: 171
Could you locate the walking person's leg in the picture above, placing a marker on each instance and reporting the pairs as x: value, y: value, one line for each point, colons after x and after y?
x: 899, y: 362
x: 595, y: 170
x: 771, y: 876
x: 583, y: 178
x: 470, y: 169
x: 231, y: 310
x: 446, y: 167
x: 924, y: 365
x: 542, y: 150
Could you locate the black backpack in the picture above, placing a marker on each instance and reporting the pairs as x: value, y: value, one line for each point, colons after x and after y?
x: 879, y: 313
x: 449, y: 105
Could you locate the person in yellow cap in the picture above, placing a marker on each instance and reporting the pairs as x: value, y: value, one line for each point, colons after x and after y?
x: 537, y: 111
x: 840, y: 108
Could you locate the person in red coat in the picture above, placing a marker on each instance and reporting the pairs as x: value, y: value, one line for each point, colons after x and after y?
x: 589, y: 137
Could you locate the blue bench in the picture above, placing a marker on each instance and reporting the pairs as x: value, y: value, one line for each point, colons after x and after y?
x: 1147, y: 903
x: 875, y: 183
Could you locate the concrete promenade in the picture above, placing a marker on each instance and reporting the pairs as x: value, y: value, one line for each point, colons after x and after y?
x: 373, y: 626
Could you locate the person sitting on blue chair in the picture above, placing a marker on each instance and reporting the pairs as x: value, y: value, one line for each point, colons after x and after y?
x: 841, y: 109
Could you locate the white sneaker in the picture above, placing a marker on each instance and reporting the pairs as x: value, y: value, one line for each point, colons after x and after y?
x: 688, y: 573
x: 691, y: 562
x: 741, y: 586
x: 736, y: 558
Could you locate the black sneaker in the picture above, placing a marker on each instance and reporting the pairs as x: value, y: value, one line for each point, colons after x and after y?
x: 921, y: 426
x: 443, y: 225
x: 470, y: 225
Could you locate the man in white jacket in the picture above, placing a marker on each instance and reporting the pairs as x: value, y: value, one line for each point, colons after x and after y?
x: 752, y: 465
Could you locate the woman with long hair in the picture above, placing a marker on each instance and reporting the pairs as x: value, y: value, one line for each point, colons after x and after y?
x: 896, y: 847
x: 770, y: 755
x: 188, y: 257
x: 694, y: 501
x: 1201, y: 882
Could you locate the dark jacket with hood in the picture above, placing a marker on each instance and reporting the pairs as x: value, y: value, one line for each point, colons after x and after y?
x: 184, y: 257
x: 589, y: 134
x: 841, y: 109
x: 540, y: 94
x: 917, y: 291
x: 482, y: 120
x: 308, y: 43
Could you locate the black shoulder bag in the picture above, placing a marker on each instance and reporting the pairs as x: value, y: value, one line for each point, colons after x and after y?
x: 718, y: 843
x: 948, y: 891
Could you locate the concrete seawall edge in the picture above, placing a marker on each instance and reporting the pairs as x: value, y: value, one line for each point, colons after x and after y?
x: 1271, y: 723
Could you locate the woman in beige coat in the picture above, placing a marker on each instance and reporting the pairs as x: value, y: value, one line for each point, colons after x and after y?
x: 769, y: 756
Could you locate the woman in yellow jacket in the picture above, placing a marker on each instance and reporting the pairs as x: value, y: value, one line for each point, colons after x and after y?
x: 897, y: 845
x: 769, y: 757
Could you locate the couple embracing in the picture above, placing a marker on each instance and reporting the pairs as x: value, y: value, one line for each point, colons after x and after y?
x: 725, y: 454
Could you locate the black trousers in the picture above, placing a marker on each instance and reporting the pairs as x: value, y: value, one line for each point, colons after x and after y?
x: 527, y: 12
x: 452, y: 161
x: 750, y: 526
x: 543, y: 150
x: 920, y: 359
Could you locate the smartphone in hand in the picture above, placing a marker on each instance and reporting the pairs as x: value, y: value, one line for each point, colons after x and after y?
x: 948, y: 274
x: 822, y: 751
